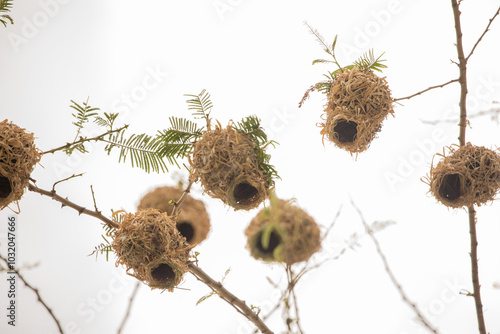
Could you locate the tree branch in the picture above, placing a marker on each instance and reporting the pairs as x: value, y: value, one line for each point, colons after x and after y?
x: 463, y: 123
x: 388, y: 270
x: 37, y: 295
x: 84, y: 140
x: 130, y: 303
x: 237, y: 303
x: 183, y: 196
x: 484, y: 33
x: 66, y: 202
x: 425, y: 90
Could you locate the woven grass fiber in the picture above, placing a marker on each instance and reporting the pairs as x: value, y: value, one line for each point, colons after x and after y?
x: 193, y: 221
x: 466, y: 176
x: 358, y: 102
x: 18, y: 157
x: 225, y: 162
x: 151, y: 248
x: 293, y: 235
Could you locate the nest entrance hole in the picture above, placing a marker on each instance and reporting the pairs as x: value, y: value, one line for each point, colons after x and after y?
x: 244, y: 193
x: 450, y: 188
x: 186, y: 229
x: 274, y: 241
x: 163, y: 274
x: 346, y: 131
x: 5, y: 188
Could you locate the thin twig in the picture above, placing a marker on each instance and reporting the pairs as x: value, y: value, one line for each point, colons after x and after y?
x: 66, y: 179
x: 66, y: 202
x: 130, y: 303
x: 494, y: 112
x: 463, y: 123
x: 93, y: 198
x: 291, y: 288
x: 234, y: 301
x: 484, y: 33
x: 183, y: 196
x: 425, y: 90
x: 84, y: 140
x: 37, y: 295
x: 389, y: 272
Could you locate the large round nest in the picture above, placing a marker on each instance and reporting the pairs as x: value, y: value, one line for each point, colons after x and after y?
x: 151, y: 248
x: 283, y: 233
x: 18, y: 157
x: 225, y: 162
x: 193, y: 221
x: 358, y: 102
x: 468, y: 175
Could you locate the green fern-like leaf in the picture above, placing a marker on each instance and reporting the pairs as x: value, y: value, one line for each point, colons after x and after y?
x: 142, y: 150
x: 83, y: 113
x: 368, y: 62
x: 201, y: 105
x: 104, y: 248
x: 107, y: 121
x: 251, y: 126
x: 5, y: 7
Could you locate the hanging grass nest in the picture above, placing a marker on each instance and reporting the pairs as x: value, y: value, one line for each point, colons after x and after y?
x: 228, y: 167
x: 283, y: 233
x: 468, y: 175
x: 149, y: 245
x: 358, y: 102
x: 18, y: 157
x: 193, y: 221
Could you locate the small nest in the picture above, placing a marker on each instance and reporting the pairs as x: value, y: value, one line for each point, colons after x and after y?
x: 283, y: 233
x: 149, y: 245
x: 468, y: 175
x: 358, y: 102
x: 18, y: 157
x: 353, y: 133
x: 225, y: 162
x: 193, y: 221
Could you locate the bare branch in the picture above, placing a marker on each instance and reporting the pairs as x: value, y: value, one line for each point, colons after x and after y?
x: 484, y: 33
x: 425, y: 90
x: 183, y: 196
x: 66, y: 179
x: 234, y: 301
x: 388, y: 270
x: 65, y: 202
x: 130, y: 303
x: 84, y: 140
x: 37, y: 295
x: 475, y: 270
x: 463, y: 123
x: 495, y: 112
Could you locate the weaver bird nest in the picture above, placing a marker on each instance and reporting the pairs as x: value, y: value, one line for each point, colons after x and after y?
x: 151, y: 248
x: 18, y: 157
x: 468, y: 175
x: 192, y: 222
x: 358, y: 102
x: 283, y: 233
x: 225, y: 162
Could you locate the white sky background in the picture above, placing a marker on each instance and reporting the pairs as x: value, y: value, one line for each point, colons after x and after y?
x: 254, y: 59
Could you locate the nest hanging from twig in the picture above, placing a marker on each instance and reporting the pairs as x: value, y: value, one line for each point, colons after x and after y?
x: 283, y: 233
x: 193, y: 221
x: 468, y: 175
x: 18, y: 157
x: 151, y: 248
x: 358, y: 102
x: 225, y: 162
